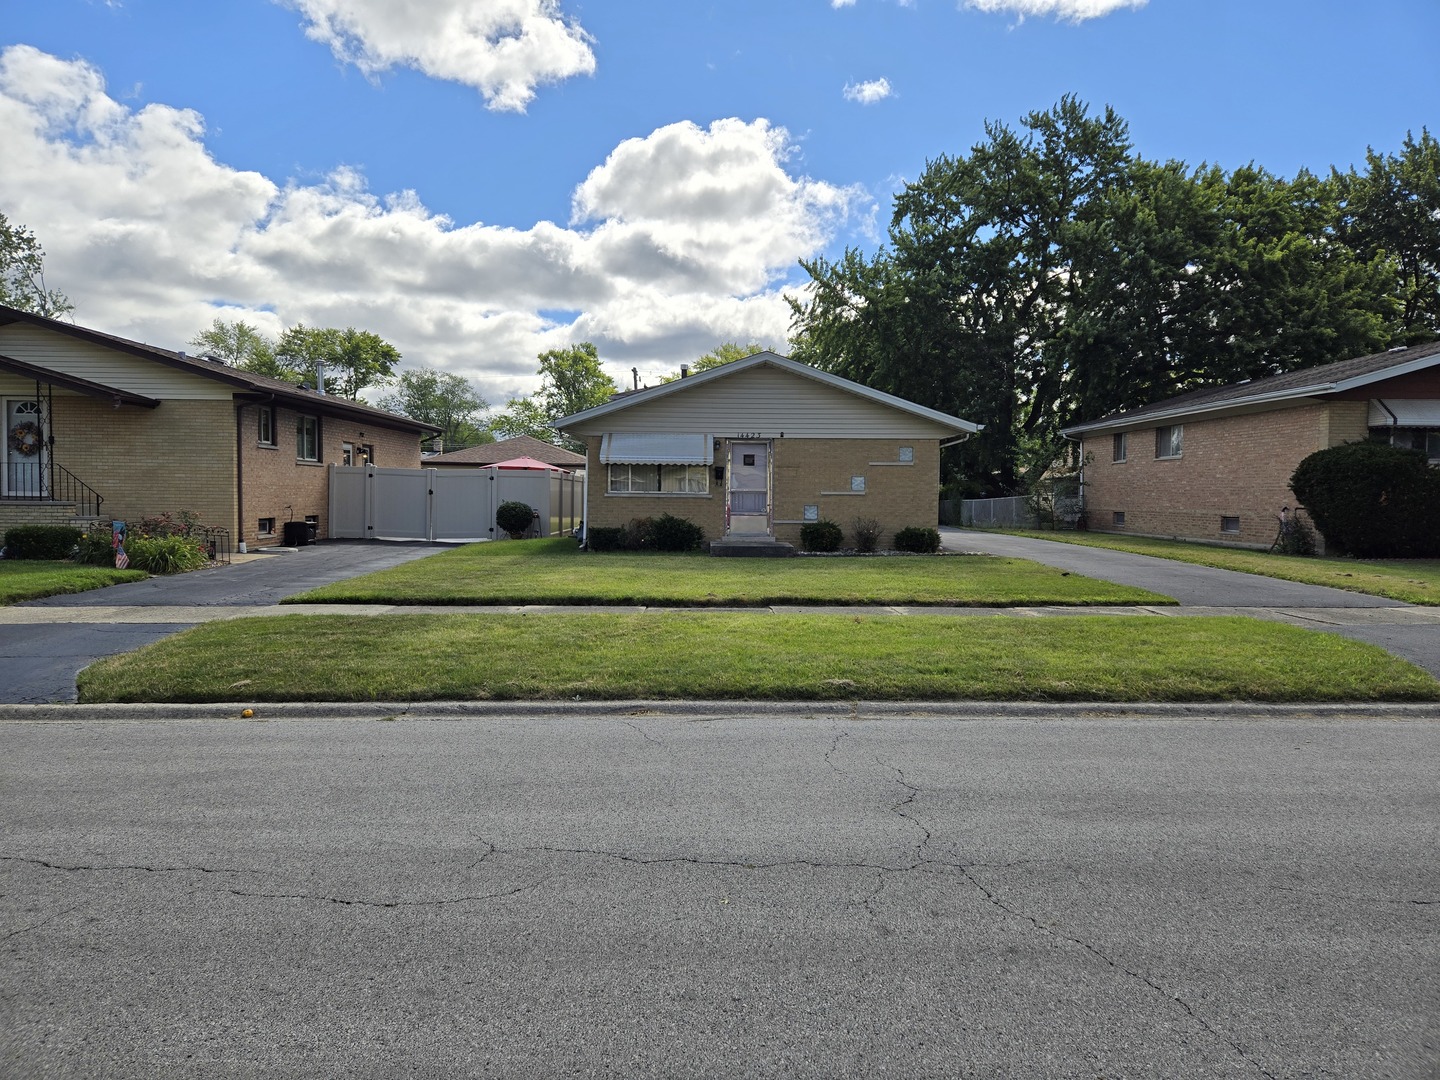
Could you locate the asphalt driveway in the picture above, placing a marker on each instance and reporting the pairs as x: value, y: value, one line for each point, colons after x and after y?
x: 40, y: 655
x: 1403, y: 629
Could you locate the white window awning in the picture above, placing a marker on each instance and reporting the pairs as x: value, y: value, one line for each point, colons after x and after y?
x: 1412, y: 412
x: 656, y: 448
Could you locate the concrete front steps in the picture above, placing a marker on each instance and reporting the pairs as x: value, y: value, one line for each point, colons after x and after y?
x: 751, y: 547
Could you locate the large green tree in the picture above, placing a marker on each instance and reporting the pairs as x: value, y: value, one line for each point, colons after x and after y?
x: 352, y: 359
x: 242, y: 346
x: 571, y: 381
x: 1392, y: 209
x: 448, y: 401
x: 721, y: 354
x: 22, y: 274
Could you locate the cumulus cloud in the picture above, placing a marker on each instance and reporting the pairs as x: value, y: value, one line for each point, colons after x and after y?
x: 1068, y: 10
x: 842, y: 3
x: 676, y: 242
x: 868, y: 93
x: 503, y: 48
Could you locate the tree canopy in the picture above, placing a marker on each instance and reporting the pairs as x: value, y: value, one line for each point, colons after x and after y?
x: 351, y: 359
x: 1052, y: 275
x: 721, y: 354
x: 448, y: 401
x: 571, y: 381
x: 242, y: 346
x: 22, y: 274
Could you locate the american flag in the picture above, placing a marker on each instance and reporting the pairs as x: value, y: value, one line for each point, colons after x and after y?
x: 121, y: 559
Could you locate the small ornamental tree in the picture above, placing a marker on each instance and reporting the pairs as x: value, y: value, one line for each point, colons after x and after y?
x: 514, y: 518
x: 1372, y: 500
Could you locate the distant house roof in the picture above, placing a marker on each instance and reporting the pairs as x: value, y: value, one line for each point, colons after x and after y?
x: 505, y: 449
x: 1293, y: 387
x: 261, y: 387
x: 770, y: 359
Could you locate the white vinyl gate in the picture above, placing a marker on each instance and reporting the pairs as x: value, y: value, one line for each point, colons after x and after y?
x: 447, y: 505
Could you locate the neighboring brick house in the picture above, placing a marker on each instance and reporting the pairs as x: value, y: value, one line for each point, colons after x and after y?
x: 1216, y: 464
x: 477, y: 457
x: 101, y: 427
x: 759, y: 446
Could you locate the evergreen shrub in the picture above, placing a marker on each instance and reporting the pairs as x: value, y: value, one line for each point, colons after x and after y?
x: 821, y: 536
x: 921, y: 541
x: 1372, y: 500
x: 40, y: 541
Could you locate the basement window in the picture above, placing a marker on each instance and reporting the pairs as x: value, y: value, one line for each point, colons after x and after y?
x: 1117, y: 518
x: 265, y: 526
x: 1229, y: 524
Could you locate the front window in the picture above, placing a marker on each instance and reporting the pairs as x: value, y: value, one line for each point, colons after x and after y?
x: 307, y: 438
x: 660, y: 479
x: 1169, y: 441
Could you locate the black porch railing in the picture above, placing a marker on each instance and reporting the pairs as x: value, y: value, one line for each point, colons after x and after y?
x: 50, y: 482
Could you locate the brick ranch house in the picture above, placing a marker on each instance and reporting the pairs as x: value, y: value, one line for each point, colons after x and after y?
x: 1215, y: 465
x: 99, y: 427
x: 759, y: 446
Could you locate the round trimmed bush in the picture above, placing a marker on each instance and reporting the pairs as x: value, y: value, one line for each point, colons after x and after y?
x: 514, y: 518
x: 1372, y: 500
x: 921, y: 541
x: 821, y: 536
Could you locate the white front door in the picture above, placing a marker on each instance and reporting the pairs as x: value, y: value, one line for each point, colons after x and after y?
x: 24, y: 453
x: 749, y: 489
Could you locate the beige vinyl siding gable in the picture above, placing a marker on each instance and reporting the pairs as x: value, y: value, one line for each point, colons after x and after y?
x: 767, y: 401
x: 110, y: 367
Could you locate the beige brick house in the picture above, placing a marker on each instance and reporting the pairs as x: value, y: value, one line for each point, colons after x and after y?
x: 99, y: 427
x: 759, y: 446
x: 1216, y: 464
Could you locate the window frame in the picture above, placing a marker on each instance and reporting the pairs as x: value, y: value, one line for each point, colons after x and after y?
x: 265, y: 426
x: 1174, y: 444
x: 693, y: 482
x: 1226, y: 520
x: 1119, y: 447
x: 307, y: 424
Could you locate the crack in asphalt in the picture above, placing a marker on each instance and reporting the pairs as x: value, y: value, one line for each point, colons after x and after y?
x: 642, y: 733
x: 143, y: 869
x: 381, y: 903
x: 1406, y: 901
x: 42, y: 922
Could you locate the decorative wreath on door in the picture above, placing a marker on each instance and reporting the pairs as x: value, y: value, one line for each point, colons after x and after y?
x: 25, y: 438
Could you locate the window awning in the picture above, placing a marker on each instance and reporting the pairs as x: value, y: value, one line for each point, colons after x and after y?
x: 656, y: 448
x: 1414, y: 412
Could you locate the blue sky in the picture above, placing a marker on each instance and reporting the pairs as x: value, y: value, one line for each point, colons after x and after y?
x: 482, y: 179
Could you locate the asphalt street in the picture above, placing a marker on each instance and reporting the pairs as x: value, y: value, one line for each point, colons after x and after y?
x: 811, y: 893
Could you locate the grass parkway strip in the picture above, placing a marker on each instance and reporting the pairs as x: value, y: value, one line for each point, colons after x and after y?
x: 712, y: 655
x: 33, y: 579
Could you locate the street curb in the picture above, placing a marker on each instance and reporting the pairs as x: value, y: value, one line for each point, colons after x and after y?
x: 711, y: 710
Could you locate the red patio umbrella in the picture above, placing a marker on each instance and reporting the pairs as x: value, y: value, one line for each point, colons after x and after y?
x: 526, y: 463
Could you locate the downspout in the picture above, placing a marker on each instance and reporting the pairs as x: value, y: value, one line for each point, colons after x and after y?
x: 585, y: 502
x: 1394, y: 420
x: 239, y: 480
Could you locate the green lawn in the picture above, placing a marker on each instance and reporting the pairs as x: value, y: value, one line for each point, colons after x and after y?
x: 557, y: 572
x: 1415, y: 581
x: 753, y: 656
x: 31, y: 579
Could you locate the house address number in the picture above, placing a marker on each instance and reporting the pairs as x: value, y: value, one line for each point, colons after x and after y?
x: 753, y: 435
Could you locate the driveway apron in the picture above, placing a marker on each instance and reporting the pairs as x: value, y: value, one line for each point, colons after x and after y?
x: 42, y: 649
x: 1406, y: 630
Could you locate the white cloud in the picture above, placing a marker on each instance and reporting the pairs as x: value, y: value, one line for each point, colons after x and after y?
x: 842, y: 3
x: 868, y: 93
x: 677, y: 242
x: 1069, y: 10
x: 503, y: 48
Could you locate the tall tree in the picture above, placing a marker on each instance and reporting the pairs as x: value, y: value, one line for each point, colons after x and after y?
x: 243, y: 347
x: 352, y: 359
x: 443, y: 399
x: 1393, y: 209
x: 571, y: 381
x: 22, y: 274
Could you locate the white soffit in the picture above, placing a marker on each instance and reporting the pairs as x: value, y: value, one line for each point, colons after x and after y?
x: 655, y: 448
x: 1415, y: 412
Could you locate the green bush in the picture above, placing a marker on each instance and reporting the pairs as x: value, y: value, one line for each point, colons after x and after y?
x: 821, y: 536
x: 1372, y: 500
x: 165, y: 554
x: 94, y: 547
x: 640, y: 534
x: 1297, y: 539
x: 677, y: 534
x: 921, y: 541
x: 867, y: 534
x: 515, y: 518
x: 40, y: 541
x: 603, y: 539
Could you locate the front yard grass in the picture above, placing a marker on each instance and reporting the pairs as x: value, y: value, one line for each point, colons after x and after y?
x: 556, y: 572
x: 689, y: 654
x: 1415, y: 581
x: 33, y: 579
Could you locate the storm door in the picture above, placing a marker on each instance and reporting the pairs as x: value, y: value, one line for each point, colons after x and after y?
x: 24, y: 453
x: 749, y: 494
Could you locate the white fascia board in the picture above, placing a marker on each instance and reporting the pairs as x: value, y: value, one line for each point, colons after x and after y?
x: 1164, y: 416
x: 1389, y: 373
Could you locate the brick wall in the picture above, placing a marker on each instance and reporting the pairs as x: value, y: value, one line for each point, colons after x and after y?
x: 279, y: 485
x: 1237, y: 466
x: 146, y: 462
x: 896, y: 494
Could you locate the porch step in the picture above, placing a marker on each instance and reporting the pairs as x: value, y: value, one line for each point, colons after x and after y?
x: 759, y: 547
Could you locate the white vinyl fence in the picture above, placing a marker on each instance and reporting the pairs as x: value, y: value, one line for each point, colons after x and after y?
x: 447, y: 505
